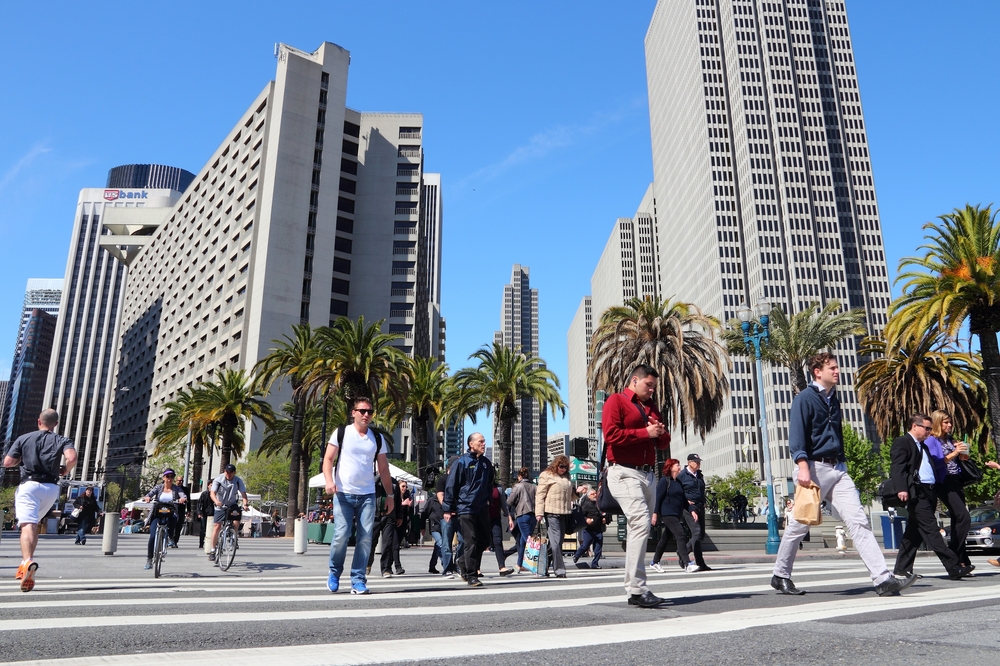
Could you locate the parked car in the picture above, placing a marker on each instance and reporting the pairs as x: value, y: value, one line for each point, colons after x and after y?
x: 985, y: 530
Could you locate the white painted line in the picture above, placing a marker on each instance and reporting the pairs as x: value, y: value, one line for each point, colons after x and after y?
x: 446, y: 647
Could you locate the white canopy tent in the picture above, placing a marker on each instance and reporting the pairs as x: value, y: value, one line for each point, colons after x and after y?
x: 395, y: 472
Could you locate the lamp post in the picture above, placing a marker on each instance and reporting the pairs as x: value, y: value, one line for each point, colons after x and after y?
x: 756, y: 333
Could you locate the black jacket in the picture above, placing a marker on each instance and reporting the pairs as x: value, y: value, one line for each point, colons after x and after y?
x: 433, y: 513
x: 694, y: 486
x: 89, y: 508
x: 905, y: 455
x: 205, y: 505
x: 670, y: 498
x: 469, y: 485
x: 589, y: 510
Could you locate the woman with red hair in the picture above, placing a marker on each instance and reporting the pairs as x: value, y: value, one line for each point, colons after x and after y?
x: 669, y: 511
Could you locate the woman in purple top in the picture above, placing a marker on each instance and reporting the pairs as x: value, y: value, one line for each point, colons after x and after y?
x: 948, y: 476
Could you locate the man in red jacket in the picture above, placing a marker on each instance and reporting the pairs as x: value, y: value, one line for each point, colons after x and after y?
x: 632, y: 433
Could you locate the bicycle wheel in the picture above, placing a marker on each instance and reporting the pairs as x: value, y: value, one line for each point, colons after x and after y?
x: 158, y: 548
x: 228, y: 547
x: 752, y: 516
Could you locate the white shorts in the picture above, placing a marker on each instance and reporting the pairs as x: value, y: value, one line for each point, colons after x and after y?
x: 33, y: 500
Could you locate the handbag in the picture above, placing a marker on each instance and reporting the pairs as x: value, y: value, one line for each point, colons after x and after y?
x: 970, y: 472
x: 888, y: 494
x: 536, y: 552
x: 574, y: 520
x: 807, y: 508
x: 76, y: 512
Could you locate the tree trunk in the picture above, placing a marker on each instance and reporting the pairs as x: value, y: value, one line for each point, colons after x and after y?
x: 199, y: 462
x: 295, y: 459
x: 798, y: 376
x: 227, y: 446
x: 991, y: 377
x: 419, y: 422
x: 304, y: 464
x: 502, y: 440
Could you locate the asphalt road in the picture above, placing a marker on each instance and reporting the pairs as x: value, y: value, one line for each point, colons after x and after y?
x: 273, y: 608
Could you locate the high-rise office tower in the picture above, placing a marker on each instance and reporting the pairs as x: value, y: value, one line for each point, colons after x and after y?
x: 761, y: 168
x: 519, y: 330
x: 627, y: 269
x: 27, y: 375
x: 40, y: 294
x: 306, y: 212
x: 80, y: 378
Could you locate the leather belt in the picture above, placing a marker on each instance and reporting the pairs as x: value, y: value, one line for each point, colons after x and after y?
x: 641, y: 468
x: 828, y: 461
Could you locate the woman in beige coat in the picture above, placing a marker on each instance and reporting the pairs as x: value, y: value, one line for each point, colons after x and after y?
x: 554, y: 500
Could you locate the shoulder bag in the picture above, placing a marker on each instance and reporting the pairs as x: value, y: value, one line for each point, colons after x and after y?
x: 606, y: 502
x: 970, y: 472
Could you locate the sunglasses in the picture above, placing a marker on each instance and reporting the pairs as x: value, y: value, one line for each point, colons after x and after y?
x: 365, y: 411
x: 562, y: 466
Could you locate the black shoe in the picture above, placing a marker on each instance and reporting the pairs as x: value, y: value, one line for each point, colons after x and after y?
x: 83, y: 542
x: 400, y: 571
x: 646, y: 600
x: 76, y: 543
x: 906, y: 574
x: 704, y: 567
x: 475, y: 582
x: 959, y: 571
x: 785, y: 586
x: 595, y: 566
x: 560, y: 575
x: 433, y: 570
x: 892, y: 586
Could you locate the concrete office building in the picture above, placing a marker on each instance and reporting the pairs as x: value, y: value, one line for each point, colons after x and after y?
x: 556, y: 445
x: 306, y: 212
x: 40, y: 294
x: 519, y: 330
x: 627, y: 269
x: 80, y: 378
x: 27, y: 376
x: 765, y: 185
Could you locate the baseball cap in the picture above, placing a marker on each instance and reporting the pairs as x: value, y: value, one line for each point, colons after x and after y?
x: 169, y: 472
x: 695, y: 457
x: 230, y: 467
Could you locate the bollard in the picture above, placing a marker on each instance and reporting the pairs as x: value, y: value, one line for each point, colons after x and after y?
x: 110, y: 542
x: 209, y: 526
x: 301, y: 535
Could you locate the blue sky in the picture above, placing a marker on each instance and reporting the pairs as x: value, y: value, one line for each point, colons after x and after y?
x: 535, y: 114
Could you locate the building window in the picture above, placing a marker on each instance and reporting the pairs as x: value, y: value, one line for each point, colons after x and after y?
x: 343, y: 245
x: 341, y: 265
x: 341, y: 286
x: 338, y: 307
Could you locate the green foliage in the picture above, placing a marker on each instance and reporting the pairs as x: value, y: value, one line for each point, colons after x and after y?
x: 7, y: 501
x: 408, y: 466
x: 743, y: 480
x: 867, y: 466
x: 266, y: 475
x: 983, y: 491
x: 151, y: 475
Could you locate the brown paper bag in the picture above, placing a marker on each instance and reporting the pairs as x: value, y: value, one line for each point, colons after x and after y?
x: 807, y: 505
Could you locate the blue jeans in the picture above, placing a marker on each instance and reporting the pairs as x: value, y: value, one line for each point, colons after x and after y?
x: 155, y: 525
x: 347, y: 508
x: 82, y: 528
x: 450, y: 558
x: 526, y: 526
x: 438, y: 549
x: 588, y: 538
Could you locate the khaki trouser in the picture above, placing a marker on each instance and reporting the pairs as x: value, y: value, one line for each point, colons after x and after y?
x: 634, y: 491
x: 836, y: 487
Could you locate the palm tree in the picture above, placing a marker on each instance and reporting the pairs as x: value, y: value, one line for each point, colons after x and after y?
x: 278, y: 438
x: 360, y: 360
x: 294, y: 359
x: 957, y: 280
x: 424, y: 401
x: 794, y: 339
x: 918, y: 376
x: 678, y: 341
x: 229, y: 401
x: 170, y: 434
x: 503, y: 377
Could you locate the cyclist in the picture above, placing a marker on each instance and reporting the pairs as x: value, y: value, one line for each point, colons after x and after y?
x: 164, y: 492
x: 226, y: 491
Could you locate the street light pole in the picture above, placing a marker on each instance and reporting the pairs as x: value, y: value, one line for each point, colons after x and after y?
x: 755, y: 333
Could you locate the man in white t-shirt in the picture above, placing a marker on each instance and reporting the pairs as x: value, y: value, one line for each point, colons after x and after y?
x: 352, y: 483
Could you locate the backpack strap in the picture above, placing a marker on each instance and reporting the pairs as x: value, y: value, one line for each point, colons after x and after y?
x: 340, y: 447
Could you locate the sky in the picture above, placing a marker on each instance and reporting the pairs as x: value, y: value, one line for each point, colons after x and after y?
x: 535, y: 114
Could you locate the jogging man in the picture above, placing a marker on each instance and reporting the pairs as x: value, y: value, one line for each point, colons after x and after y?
x: 357, y: 449
x: 226, y: 491
x: 39, y: 455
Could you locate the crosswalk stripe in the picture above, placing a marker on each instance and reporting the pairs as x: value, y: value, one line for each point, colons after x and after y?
x: 446, y: 647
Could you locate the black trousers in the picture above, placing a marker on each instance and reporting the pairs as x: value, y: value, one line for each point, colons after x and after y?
x: 697, y: 528
x: 385, y: 527
x: 923, y: 528
x: 178, y: 526
x: 952, y: 495
x: 204, y: 528
x: 496, y: 539
x: 672, y: 525
x: 477, y: 535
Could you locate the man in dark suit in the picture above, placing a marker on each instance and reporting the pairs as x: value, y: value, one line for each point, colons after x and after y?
x: 912, y: 469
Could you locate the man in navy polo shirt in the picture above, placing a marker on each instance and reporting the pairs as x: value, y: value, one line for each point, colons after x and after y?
x: 633, y: 432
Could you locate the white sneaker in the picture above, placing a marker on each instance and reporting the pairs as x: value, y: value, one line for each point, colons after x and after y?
x: 655, y: 566
x: 692, y: 567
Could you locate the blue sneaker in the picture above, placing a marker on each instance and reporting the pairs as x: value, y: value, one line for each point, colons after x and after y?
x: 333, y: 583
x: 359, y: 588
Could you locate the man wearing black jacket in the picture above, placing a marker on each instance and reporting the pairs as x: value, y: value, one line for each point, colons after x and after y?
x: 466, y: 499
x: 912, y: 468
x: 206, y: 508
x: 386, y: 524
x: 593, y: 531
x: 181, y: 513
x: 693, y: 482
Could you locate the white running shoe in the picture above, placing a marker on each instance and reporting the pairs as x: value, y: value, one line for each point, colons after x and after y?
x: 655, y: 566
x: 692, y: 567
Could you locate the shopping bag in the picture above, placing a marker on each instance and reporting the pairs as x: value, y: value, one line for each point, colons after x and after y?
x: 536, y: 553
x: 807, y: 505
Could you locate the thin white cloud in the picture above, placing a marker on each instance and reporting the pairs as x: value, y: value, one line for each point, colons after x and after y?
x: 547, y: 141
x: 11, y: 173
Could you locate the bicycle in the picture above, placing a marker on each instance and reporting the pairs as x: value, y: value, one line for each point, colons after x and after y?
x: 225, y: 548
x: 160, y: 521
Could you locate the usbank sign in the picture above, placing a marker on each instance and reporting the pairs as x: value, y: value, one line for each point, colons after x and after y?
x: 114, y: 195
